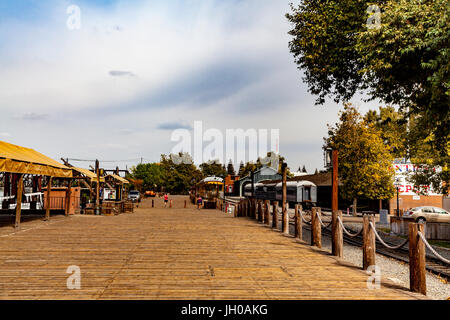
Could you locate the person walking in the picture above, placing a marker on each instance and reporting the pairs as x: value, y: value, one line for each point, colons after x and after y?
x: 166, y: 200
x: 199, y: 202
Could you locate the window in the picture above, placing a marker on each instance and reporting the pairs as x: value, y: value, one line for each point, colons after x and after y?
x: 428, y: 210
x: 440, y: 211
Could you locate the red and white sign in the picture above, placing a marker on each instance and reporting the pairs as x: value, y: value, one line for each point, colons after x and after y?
x: 407, y: 188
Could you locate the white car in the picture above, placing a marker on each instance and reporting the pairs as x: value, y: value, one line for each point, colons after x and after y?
x: 428, y: 214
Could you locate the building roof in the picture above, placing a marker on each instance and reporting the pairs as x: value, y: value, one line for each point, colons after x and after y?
x: 88, y: 174
x: 17, y: 159
x: 118, y: 178
x: 320, y: 179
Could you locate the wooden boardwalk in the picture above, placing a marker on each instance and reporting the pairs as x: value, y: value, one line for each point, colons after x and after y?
x: 173, y: 254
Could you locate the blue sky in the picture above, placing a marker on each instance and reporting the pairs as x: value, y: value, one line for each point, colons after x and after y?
x: 136, y: 70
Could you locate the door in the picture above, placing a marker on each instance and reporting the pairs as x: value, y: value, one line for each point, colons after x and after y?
x: 429, y: 214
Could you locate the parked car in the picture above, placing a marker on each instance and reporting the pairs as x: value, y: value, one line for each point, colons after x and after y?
x: 134, y: 196
x: 427, y: 213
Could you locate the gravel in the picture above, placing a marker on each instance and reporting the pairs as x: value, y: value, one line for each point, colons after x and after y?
x: 394, y: 270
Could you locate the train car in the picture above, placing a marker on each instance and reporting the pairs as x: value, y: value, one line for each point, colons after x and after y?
x: 210, y: 189
x: 302, y: 192
x: 248, y: 190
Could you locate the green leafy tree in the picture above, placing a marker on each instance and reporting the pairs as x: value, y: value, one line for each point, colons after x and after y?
x: 365, y: 162
x: 151, y: 175
x: 177, y: 176
x: 213, y: 168
x: 404, y: 63
x: 393, y: 128
x: 230, y: 169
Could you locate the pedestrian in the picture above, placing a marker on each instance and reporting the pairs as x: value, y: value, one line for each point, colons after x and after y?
x: 199, y: 202
x: 166, y: 199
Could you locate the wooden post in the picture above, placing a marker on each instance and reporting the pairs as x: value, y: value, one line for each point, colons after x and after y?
x: 417, y: 262
x: 335, y: 181
x: 19, y: 199
x: 337, y: 245
x: 49, y: 192
x: 316, y: 228
x: 298, y: 222
x: 368, y: 242
x: 185, y: 204
x: 260, y: 212
x: 97, y: 200
x: 153, y: 203
x: 275, y: 215
x: 255, y: 209
x: 266, y: 212
x: 68, y: 196
x: 285, y: 216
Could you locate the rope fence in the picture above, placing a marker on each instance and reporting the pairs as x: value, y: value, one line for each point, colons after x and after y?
x: 269, y: 214
x: 427, y: 244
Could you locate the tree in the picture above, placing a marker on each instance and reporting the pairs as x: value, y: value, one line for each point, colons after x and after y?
x: 230, y: 169
x: 404, y: 63
x: 179, y: 177
x: 304, y: 169
x: 150, y: 174
x: 365, y: 162
x: 316, y: 172
x: 393, y: 128
x: 213, y: 168
x: 241, y: 169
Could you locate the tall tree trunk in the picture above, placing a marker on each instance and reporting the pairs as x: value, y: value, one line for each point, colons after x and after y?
x: 355, y: 207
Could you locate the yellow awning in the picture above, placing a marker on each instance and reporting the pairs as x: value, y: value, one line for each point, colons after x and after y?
x: 118, y: 178
x: 16, y: 159
x: 89, y: 174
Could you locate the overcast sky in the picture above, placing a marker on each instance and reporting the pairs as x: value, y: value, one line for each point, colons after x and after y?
x: 137, y: 70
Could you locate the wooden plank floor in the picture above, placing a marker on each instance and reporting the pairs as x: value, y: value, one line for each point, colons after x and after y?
x: 173, y: 254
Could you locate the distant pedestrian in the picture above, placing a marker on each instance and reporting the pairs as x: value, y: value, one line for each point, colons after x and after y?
x: 166, y: 200
x: 199, y: 202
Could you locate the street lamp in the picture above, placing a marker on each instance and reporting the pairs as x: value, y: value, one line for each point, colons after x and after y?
x: 327, y: 158
x: 397, y: 186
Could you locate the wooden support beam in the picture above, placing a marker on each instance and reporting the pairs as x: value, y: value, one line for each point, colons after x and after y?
x: 266, y: 212
x: 337, y: 246
x: 298, y: 222
x: 285, y: 215
x: 19, y: 189
x: 260, y: 212
x: 49, y: 193
x: 368, y: 242
x: 68, y: 198
x: 417, y: 259
x: 275, y: 215
x: 316, y: 228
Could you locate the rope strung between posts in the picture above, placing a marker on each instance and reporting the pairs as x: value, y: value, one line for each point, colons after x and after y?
x: 432, y: 249
x: 304, y: 220
x: 351, y: 235
x: 384, y: 243
x: 320, y: 220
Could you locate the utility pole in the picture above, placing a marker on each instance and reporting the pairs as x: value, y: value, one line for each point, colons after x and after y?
x: 336, y: 230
